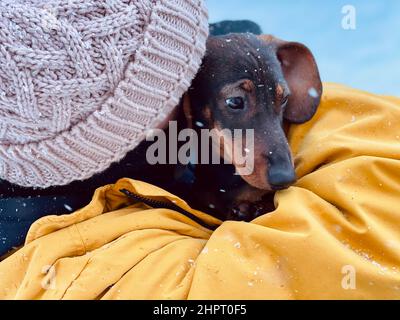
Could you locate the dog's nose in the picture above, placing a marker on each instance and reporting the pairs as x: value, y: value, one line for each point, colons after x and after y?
x: 281, y: 173
x: 281, y: 179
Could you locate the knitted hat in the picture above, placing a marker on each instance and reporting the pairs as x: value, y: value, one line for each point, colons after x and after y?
x: 81, y: 81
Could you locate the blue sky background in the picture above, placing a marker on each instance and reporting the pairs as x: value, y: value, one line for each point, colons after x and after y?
x: 367, y: 58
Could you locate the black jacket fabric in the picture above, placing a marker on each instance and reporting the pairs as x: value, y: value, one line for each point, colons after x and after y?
x: 17, y: 215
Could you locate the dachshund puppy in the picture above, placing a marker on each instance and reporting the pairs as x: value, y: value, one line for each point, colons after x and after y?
x: 250, y: 82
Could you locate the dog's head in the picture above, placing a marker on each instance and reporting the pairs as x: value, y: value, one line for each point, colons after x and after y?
x: 257, y: 82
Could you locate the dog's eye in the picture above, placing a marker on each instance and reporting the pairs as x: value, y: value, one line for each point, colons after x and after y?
x: 235, y: 103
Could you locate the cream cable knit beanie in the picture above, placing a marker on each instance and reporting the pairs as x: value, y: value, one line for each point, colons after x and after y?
x: 82, y: 80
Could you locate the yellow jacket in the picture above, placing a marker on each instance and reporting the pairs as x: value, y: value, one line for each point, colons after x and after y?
x: 335, y: 234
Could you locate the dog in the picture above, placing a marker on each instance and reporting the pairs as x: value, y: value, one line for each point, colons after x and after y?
x: 258, y: 82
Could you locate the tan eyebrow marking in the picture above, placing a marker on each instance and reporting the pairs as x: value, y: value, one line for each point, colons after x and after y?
x: 279, y: 93
x: 278, y: 97
x: 247, y: 85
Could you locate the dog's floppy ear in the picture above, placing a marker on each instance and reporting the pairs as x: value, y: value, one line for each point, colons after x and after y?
x: 301, y: 73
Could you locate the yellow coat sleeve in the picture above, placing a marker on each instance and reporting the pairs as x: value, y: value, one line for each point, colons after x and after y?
x: 334, y: 235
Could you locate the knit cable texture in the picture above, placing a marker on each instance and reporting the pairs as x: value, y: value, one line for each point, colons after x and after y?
x: 82, y: 81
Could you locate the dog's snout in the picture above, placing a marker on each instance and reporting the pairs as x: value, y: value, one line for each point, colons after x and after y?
x: 281, y: 179
x: 281, y: 173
